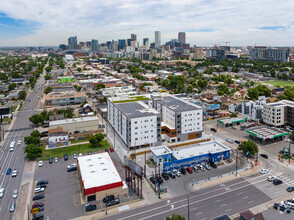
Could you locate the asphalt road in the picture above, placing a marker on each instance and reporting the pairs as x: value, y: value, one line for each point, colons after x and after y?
x: 16, y: 159
x: 229, y: 198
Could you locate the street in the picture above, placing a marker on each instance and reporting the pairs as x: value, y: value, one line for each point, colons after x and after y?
x: 16, y: 159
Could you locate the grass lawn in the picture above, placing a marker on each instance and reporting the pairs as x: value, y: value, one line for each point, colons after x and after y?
x: 132, y: 99
x: 79, y: 141
x: 280, y: 83
x: 75, y: 149
x: 4, y: 120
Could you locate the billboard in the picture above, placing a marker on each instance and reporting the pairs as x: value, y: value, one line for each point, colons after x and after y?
x: 4, y: 111
x: 212, y: 107
x: 133, y: 166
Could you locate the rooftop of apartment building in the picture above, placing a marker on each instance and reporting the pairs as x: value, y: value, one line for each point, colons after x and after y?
x: 58, y: 95
x: 136, y: 109
x: 174, y: 103
x: 281, y: 103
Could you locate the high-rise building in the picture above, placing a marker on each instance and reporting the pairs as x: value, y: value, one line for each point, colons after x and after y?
x: 270, y: 54
x: 134, y: 37
x: 94, y: 45
x: 146, y: 43
x: 108, y: 45
x: 144, y: 40
x: 157, y: 39
x: 62, y: 46
x: 114, y: 46
x: 73, y: 43
x: 89, y: 44
x: 182, y: 37
x: 129, y: 40
x: 122, y: 43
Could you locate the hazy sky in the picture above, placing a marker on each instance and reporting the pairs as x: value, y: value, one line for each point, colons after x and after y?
x: 206, y: 22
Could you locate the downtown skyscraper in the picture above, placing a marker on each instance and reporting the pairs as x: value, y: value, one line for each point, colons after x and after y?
x: 157, y: 39
x: 94, y: 44
x: 182, y: 37
x: 73, y: 43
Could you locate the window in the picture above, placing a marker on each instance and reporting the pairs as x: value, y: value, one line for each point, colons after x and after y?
x: 136, y: 127
x: 136, y: 139
x: 135, y: 122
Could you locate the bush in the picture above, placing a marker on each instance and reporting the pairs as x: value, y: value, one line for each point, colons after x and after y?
x: 229, y: 160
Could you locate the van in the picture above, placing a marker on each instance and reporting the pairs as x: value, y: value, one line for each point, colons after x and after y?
x: 50, y: 160
x: 12, y: 144
x: 290, y: 205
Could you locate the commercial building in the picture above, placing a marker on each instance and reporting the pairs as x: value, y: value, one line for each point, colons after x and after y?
x: 279, y: 113
x: 195, y: 154
x: 118, y: 91
x: 94, y: 45
x: 180, y: 120
x: 64, y: 98
x: 99, y: 177
x: 76, y: 124
x: 229, y: 122
x: 265, y: 134
x: 182, y: 37
x: 134, y: 121
x: 57, y: 138
x: 270, y: 54
x: 157, y: 39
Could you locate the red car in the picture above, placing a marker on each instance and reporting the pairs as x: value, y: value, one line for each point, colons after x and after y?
x: 111, y: 149
x: 189, y: 170
x: 37, y: 204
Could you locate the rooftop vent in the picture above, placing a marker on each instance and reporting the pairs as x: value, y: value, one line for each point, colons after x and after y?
x: 93, y: 171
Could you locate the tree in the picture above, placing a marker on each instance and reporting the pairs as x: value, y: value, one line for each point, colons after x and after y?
x: 292, y: 136
x: 175, y: 217
x: 33, y: 151
x: 248, y: 147
x: 96, y: 139
x: 79, y: 69
x: 11, y: 86
x: 32, y: 140
x: 233, y: 115
x: 202, y: 83
x: 260, y: 90
x: 22, y: 95
x: 223, y: 89
x: 100, y: 86
x: 36, y: 119
x: 36, y: 133
x: 48, y: 90
x: 47, y: 76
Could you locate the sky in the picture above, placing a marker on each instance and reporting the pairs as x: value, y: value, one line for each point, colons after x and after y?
x: 206, y: 22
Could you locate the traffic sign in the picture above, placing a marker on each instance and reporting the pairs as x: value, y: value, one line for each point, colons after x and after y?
x: 35, y: 210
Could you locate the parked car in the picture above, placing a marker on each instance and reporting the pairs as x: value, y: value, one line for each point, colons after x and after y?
x: 264, y: 156
x: 207, y: 166
x: 41, y: 182
x: 50, y: 160
x: 183, y: 171
x: 15, y: 194
x: 165, y: 176
x: 14, y: 173
x: 65, y: 156
x: 56, y: 160
x: 39, y: 189
x: 271, y: 178
x: 108, y: 198
x: 72, y: 167
x: 74, y: 156
x: 8, y: 171
x: 201, y: 167
x: 90, y: 207
x: 213, y: 129
x: 40, y: 163
x: 212, y: 164
x: 12, y: 207
x: 290, y: 189
x: 42, y: 186
x: 277, y: 182
x: 189, y: 170
x: 38, y: 216
x: 37, y: 197
x: 237, y: 142
x: 37, y: 204
x: 176, y: 172
x: 89, y: 153
x: 230, y: 140
x: 113, y: 202
x: 195, y: 169
x: 111, y: 149
x: 276, y: 205
x: 172, y: 175
x: 159, y: 179
x: 2, y: 191
x: 263, y: 171
x: 152, y: 179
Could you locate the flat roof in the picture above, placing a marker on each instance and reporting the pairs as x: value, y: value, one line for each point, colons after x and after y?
x: 200, y: 149
x: 174, y: 103
x: 58, y: 95
x: 73, y: 120
x: 98, y: 170
x: 232, y: 120
x: 265, y: 132
x: 136, y: 109
x: 161, y: 150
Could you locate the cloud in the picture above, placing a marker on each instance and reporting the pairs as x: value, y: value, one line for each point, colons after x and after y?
x: 51, y: 22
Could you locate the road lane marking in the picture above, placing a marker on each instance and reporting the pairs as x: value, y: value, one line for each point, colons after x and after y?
x: 222, y: 205
x: 194, y: 208
x: 245, y: 197
x: 251, y: 202
x: 199, y: 213
x: 228, y: 210
x: 240, y: 193
x: 217, y: 200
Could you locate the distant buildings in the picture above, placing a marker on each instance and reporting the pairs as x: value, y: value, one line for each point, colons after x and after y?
x: 73, y: 43
x: 122, y: 43
x: 134, y: 37
x: 215, y: 53
x: 94, y: 44
x: 157, y: 39
x: 270, y: 54
x: 182, y: 37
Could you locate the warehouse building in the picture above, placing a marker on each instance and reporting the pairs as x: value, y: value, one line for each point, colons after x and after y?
x: 185, y: 157
x: 99, y: 177
x: 76, y: 124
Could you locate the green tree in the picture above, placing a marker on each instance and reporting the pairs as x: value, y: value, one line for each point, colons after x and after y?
x: 48, y: 90
x: 32, y: 140
x: 33, y: 151
x: 202, y: 83
x: 36, y: 119
x: 248, y: 146
x: 223, y: 89
x: 36, y: 133
x: 22, y: 95
x: 96, y: 139
x: 100, y: 86
x: 11, y: 86
x: 79, y: 69
x: 292, y: 136
x: 47, y: 76
x: 175, y: 217
x: 233, y: 115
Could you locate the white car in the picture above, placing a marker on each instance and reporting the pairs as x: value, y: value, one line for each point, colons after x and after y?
x: 230, y: 140
x: 263, y: 171
x: 201, y: 167
x: 15, y: 194
x: 19, y: 142
x: 38, y: 190
x: 14, y: 173
x: 2, y: 191
x: 178, y: 173
x: 11, y: 149
x: 12, y: 207
x: 56, y: 160
x: 271, y: 178
x: 75, y: 156
x: 207, y: 166
x: 40, y: 163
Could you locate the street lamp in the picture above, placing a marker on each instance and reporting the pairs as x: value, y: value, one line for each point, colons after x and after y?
x: 158, y: 181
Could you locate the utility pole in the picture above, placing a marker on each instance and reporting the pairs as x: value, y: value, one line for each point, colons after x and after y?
x: 158, y: 181
x: 236, y: 161
x: 289, y: 151
x: 145, y: 166
x: 188, y: 207
x: 155, y: 176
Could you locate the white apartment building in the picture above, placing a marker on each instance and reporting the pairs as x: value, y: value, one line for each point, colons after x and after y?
x: 118, y: 91
x: 181, y: 120
x: 279, y: 113
x: 134, y: 121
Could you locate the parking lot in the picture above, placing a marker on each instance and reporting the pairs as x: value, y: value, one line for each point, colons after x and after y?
x: 63, y: 198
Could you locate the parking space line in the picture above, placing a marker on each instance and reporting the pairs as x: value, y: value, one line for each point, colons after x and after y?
x: 251, y: 202
x: 199, y: 213
x: 217, y: 200
x: 240, y: 193
x: 228, y: 210
x: 222, y: 205
x: 245, y: 197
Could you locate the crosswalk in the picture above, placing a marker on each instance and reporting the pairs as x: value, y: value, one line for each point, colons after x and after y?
x: 282, y: 173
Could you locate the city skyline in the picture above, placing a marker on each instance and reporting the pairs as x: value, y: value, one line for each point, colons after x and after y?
x: 205, y: 23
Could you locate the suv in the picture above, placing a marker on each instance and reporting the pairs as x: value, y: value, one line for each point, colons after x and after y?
x: 37, y: 197
x: 90, y: 207
x: 65, y: 156
x: 212, y: 164
x: 172, y: 175
x: 42, y: 182
x: 165, y: 176
x: 183, y: 171
x: 108, y: 198
x: 277, y: 182
x: 113, y: 202
x: 213, y: 129
x: 264, y: 156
